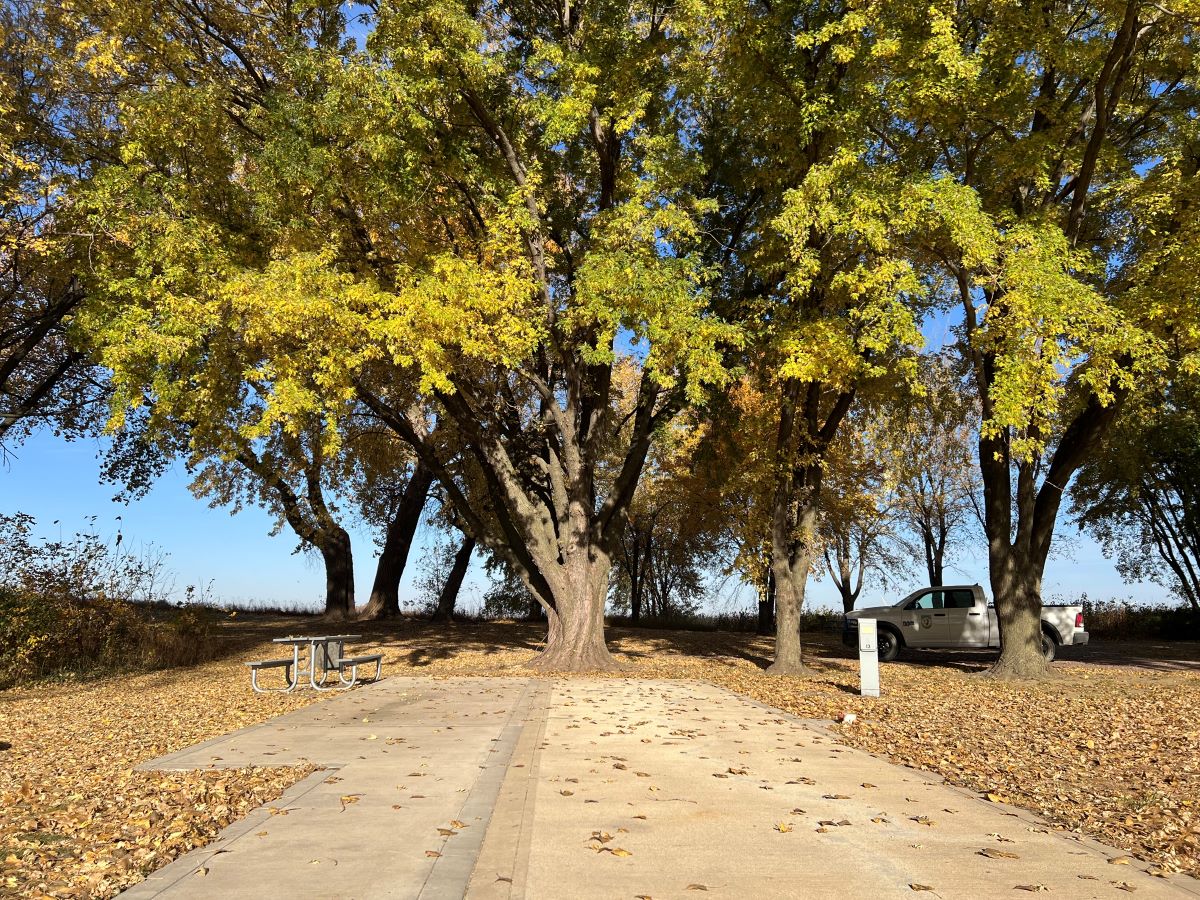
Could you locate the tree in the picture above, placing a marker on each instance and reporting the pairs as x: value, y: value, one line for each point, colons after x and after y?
x: 287, y: 472
x: 473, y: 215
x: 731, y: 468
x: 1140, y: 496
x: 859, y: 504
x: 1064, y: 204
x: 50, y: 142
x: 811, y: 244
x: 393, y: 500
x: 938, y: 480
x: 290, y: 457
x: 448, y: 595
x: 673, y: 527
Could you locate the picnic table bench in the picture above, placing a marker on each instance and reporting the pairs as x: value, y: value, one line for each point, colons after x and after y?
x: 326, y: 654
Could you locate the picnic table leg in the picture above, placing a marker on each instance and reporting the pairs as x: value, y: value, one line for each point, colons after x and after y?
x: 324, y: 667
x: 293, y: 673
x: 312, y: 665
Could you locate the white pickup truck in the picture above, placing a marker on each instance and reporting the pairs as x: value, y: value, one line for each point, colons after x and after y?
x: 956, y: 617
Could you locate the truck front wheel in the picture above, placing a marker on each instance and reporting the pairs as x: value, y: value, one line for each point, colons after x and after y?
x: 889, y: 644
x: 1048, y: 647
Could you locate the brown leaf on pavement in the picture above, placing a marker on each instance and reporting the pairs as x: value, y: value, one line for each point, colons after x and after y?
x: 992, y: 853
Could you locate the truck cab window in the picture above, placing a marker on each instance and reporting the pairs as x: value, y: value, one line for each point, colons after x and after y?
x: 960, y: 600
x: 927, y: 600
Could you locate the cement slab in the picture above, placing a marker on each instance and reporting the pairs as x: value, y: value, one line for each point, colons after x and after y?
x: 503, y: 788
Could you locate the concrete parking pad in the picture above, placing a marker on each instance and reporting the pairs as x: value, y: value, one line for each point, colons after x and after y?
x: 501, y: 788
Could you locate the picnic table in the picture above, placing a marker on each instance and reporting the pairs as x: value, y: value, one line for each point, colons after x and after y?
x: 326, y: 654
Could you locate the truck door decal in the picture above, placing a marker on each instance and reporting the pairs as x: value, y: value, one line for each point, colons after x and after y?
x: 926, y: 621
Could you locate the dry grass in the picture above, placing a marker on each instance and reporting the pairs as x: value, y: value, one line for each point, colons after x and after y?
x: 1106, y: 749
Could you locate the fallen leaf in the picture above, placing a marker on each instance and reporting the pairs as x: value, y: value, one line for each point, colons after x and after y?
x: 992, y: 853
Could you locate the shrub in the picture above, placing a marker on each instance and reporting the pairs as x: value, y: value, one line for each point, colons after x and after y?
x: 1116, y: 620
x: 737, y: 621
x: 60, y: 610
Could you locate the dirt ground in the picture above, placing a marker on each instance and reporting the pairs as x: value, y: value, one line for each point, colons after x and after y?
x: 1110, y: 747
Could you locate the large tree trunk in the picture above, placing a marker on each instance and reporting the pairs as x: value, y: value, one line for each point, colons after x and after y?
x: 458, y: 571
x: 1017, y: 556
x: 766, y: 605
x: 339, y: 574
x: 555, y: 529
x: 575, y: 613
x: 791, y: 564
x: 384, y: 601
x: 1017, y: 586
x: 800, y: 445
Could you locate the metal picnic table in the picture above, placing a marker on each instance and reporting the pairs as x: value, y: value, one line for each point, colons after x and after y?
x: 326, y: 654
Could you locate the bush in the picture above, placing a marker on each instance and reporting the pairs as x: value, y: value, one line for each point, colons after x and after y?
x: 60, y: 611
x: 44, y: 635
x: 738, y: 621
x: 1115, y: 620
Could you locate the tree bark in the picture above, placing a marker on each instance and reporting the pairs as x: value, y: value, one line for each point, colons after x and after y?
x: 935, y: 551
x: 553, y: 528
x: 339, y: 573
x: 458, y: 571
x: 384, y: 601
x: 1017, y: 587
x: 766, y: 605
x: 1017, y: 556
x: 575, y: 636
x: 800, y: 445
x: 791, y: 566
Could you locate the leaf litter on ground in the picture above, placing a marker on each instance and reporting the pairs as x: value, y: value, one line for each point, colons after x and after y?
x: 1108, y: 751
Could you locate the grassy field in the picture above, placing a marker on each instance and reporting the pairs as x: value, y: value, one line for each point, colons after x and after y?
x: 1111, y: 747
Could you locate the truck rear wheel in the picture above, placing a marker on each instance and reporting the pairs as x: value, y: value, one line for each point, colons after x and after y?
x: 1048, y: 647
x: 889, y: 644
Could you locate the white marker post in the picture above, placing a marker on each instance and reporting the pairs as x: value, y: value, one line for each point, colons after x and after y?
x: 868, y: 657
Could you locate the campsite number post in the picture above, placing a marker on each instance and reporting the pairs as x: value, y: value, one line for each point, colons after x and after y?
x: 868, y: 657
